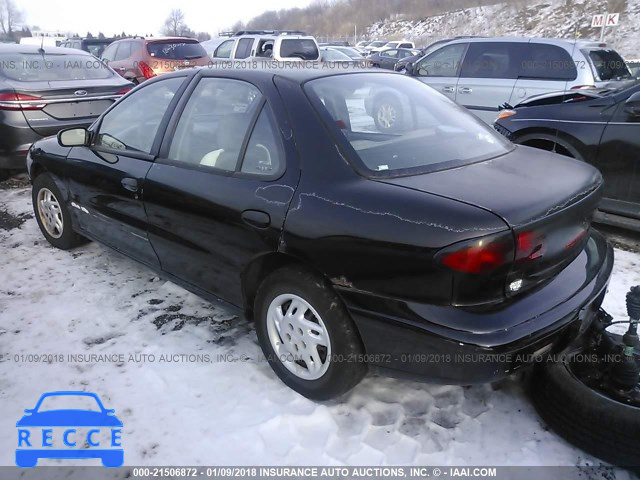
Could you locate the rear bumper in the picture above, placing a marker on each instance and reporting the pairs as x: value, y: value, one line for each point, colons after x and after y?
x: 465, y: 346
x: 15, y: 140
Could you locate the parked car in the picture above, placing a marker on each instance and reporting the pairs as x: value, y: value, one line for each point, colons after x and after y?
x: 45, y: 90
x: 328, y: 54
x: 138, y: 59
x: 95, y: 46
x: 276, y: 45
x: 361, y: 46
x: 387, y: 59
x: 597, y: 126
x: 337, y: 43
x: 386, y: 252
x: 401, y: 44
x: 374, y: 46
x: 351, y: 52
x: 484, y: 73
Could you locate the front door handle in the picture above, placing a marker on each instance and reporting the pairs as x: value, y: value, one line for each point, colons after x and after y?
x: 465, y: 90
x: 256, y: 218
x: 449, y: 89
x: 130, y: 184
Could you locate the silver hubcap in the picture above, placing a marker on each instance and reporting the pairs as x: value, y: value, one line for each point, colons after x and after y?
x: 298, y: 336
x: 50, y: 213
x: 387, y: 115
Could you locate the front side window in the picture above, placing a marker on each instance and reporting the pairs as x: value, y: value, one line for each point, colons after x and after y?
x: 214, y: 123
x: 133, y: 123
x: 394, y: 125
x: 444, y: 62
x: 110, y: 52
x: 124, y: 51
x: 224, y: 50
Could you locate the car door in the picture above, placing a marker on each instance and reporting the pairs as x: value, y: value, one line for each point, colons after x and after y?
x: 218, y: 195
x: 120, y: 61
x: 440, y: 69
x: 388, y: 59
x: 543, y: 68
x: 619, y: 162
x: 106, y: 179
x: 488, y: 77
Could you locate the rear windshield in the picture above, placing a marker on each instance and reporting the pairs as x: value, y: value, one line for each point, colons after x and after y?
x: 306, y: 49
x: 394, y: 125
x: 608, y: 64
x: 176, y: 50
x: 27, y: 67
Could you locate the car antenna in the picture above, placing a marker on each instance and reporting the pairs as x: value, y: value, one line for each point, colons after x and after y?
x: 41, y: 49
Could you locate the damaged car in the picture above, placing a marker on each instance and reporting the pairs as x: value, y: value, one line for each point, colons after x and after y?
x: 440, y: 250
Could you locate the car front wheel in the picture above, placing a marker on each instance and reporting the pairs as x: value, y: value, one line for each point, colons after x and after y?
x: 52, y: 214
x: 307, y: 335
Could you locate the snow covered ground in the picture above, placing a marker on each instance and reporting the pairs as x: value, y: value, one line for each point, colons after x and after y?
x: 191, y: 411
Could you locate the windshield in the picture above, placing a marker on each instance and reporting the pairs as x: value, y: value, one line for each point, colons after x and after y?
x: 394, y: 124
x: 33, y: 67
x: 173, y: 50
x: 304, y: 48
x: 69, y: 402
x: 608, y: 65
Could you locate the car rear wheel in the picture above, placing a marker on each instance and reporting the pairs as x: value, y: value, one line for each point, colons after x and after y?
x: 388, y: 115
x: 307, y: 335
x: 52, y: 214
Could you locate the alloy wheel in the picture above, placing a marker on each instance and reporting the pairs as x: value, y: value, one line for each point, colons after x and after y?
x: 50, y: 213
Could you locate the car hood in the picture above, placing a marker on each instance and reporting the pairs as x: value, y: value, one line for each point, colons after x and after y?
x: 522, y: 186
x: 69, y: 418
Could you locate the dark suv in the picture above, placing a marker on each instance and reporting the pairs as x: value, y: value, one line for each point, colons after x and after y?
x: 95, y: 46
x: 45, y: 90
x: 138, y: 59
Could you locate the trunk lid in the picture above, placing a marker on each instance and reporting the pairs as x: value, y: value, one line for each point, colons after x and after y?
x: 548, y: 201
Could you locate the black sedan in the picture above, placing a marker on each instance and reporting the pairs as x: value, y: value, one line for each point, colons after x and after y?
x: 441, y: 250
x: 387, y: 59
x: 600, y: 127
x: 45, y: 90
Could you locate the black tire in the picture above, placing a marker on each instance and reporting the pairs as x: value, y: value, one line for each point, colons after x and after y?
x: 549, y: 142
x: 346, y: 363
x: 601, y: 426
x: 388, y: 102
x: 68, y: 238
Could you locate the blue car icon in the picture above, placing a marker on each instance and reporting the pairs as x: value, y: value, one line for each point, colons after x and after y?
x: 44, y: 420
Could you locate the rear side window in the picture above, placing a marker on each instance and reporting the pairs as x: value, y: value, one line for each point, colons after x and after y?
x: 124, y: 51
x: 244, y: 48
x: 608, y: 65
x: 491, y: 60
x: 214, y: 123
x: 546, y: 62
x: 264, y: 155
x: 304, y: 48
x: 176, y: 50
x: 406, y: 45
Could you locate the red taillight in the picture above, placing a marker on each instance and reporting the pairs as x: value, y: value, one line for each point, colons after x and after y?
x: 479, y: 256
x: 147, y: 71
x: 530, y: 246
x: 124, y: 91
x: 19, y: 101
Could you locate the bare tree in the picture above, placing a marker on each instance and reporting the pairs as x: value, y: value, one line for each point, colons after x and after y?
x: 10, y: 15
x: 175, y: 25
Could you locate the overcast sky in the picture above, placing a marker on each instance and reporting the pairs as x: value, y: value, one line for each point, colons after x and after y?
x: 143, y: 17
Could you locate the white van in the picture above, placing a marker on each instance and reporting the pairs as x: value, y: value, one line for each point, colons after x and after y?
x: 276, y: 45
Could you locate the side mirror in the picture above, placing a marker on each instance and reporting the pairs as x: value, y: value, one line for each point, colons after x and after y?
x: 632, y: 105
x: 409, y: 68
x: 28, y: 410
x: 73, y: 137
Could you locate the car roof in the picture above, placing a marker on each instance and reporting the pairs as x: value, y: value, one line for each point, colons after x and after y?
x: 557, y: 41
x: 21, y: 48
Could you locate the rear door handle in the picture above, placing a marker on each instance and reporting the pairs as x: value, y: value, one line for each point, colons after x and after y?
x: 449, y: 89
x: 130, y: 184
x: 465, y: 90
x: 256, y: 218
